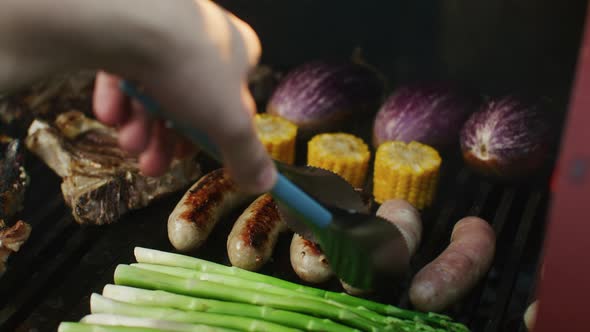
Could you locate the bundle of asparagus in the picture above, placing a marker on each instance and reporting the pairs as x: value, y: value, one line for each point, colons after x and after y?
x: 173, y: 292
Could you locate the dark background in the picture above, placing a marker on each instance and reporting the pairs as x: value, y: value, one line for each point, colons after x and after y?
x: 524, y: 46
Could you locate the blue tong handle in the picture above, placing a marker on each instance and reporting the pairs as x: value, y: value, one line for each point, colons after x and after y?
x: 283, y: 190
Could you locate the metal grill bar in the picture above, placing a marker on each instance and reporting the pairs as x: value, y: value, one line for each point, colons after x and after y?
x: 96, y: 265
x: 509, y: 275
x: 42, y: 279
x: 481, y: 199
x: 503, y: 210
x: 469, y: 310
x: 435, y: 236
x: 471, y: 303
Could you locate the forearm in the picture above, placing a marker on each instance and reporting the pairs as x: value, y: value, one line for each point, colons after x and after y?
x: 40, y: 37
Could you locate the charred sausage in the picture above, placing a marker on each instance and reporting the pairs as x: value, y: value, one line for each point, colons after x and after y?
x: 458, y: 269
x: 308, y: 261
x: 200, y: 209
x: 255, y: 233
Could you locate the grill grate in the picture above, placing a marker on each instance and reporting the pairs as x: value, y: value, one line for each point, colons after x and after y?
x: 51, y: 278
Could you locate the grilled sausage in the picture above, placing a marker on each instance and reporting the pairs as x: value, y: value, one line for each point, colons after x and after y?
x: 255, y: 233
x: 201, y: 207
x: 308, y: 261
x: 407, y: 219
x: 530, y: 315
x: 458, y: 269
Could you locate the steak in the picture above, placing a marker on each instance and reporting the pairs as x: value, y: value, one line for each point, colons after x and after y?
x: 13, y: 177
x: 11, y: 239
x: 101, y: 182
x: 46, y: 99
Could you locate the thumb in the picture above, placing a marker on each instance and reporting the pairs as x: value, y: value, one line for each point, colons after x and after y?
x: 244, y: 156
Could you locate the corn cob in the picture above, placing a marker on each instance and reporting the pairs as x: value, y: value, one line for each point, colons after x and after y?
x: 406, y: 171
x: 341, y: 153
x: 278, y: 136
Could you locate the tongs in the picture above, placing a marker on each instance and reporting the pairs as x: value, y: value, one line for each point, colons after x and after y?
x: 362, y: 249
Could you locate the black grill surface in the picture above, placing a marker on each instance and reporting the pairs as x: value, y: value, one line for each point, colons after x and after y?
x: 51, y: 278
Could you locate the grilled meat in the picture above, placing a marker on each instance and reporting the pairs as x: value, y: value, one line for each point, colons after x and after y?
x: 11, y: 239
x: 13, y: 178
x: 201, y: 208
x: 451, y: 275
x: 46, y: 99
x: 100, y: 181
x: 254, y: 235
x: 308, y: 261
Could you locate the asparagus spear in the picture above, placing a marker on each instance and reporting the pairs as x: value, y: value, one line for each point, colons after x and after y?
x: 261, y: 287
x: 182, y: 302
x: 100, y: 304
x: 136, y: 277
x: 160, y: 325
x: 81, y: 327
x: 145, y: 255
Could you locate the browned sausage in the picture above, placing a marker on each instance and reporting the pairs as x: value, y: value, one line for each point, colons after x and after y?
x: 407, y: 219
x: 201, y: 207
x: 402, y: 214
x: 255, y: 233
x: 458, y: 269
x: 530, y: 315
x: 308, y: 261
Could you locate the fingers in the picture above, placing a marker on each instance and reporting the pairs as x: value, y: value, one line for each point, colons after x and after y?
x: 248, y: 100
x: 134, y: 134
x: 156, y: 158
x: 108, y: 101
x: 227, y: 120
x: 246, y: 159
x: 250, y: 40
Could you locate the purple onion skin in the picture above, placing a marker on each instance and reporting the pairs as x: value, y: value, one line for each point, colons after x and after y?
x: 507, y: 139
x: 320, y: 96
x: 429, y: 114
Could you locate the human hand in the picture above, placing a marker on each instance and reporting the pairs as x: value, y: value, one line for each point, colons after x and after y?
x: 200, y: 77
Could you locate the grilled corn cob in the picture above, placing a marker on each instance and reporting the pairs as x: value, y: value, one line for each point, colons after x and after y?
x: 406, y: 171
x: 341, y: 153
x: 278, y: 136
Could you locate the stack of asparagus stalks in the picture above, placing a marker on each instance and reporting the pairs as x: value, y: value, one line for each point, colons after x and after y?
x: 172, y: 292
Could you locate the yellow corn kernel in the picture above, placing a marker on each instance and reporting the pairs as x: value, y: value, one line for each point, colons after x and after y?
x: 341, y: 153
x: 406, y: 171
x: 278, y: 136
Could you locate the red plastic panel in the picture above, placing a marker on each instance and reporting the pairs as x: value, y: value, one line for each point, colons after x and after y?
x: 564, y: 291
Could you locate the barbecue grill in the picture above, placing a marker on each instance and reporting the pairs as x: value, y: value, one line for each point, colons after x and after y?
x: 51, y: 278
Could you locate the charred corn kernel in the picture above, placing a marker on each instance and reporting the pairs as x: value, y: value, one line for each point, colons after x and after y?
x: 341, y: 153
x: 406, y: 171
x: 278, y: 136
